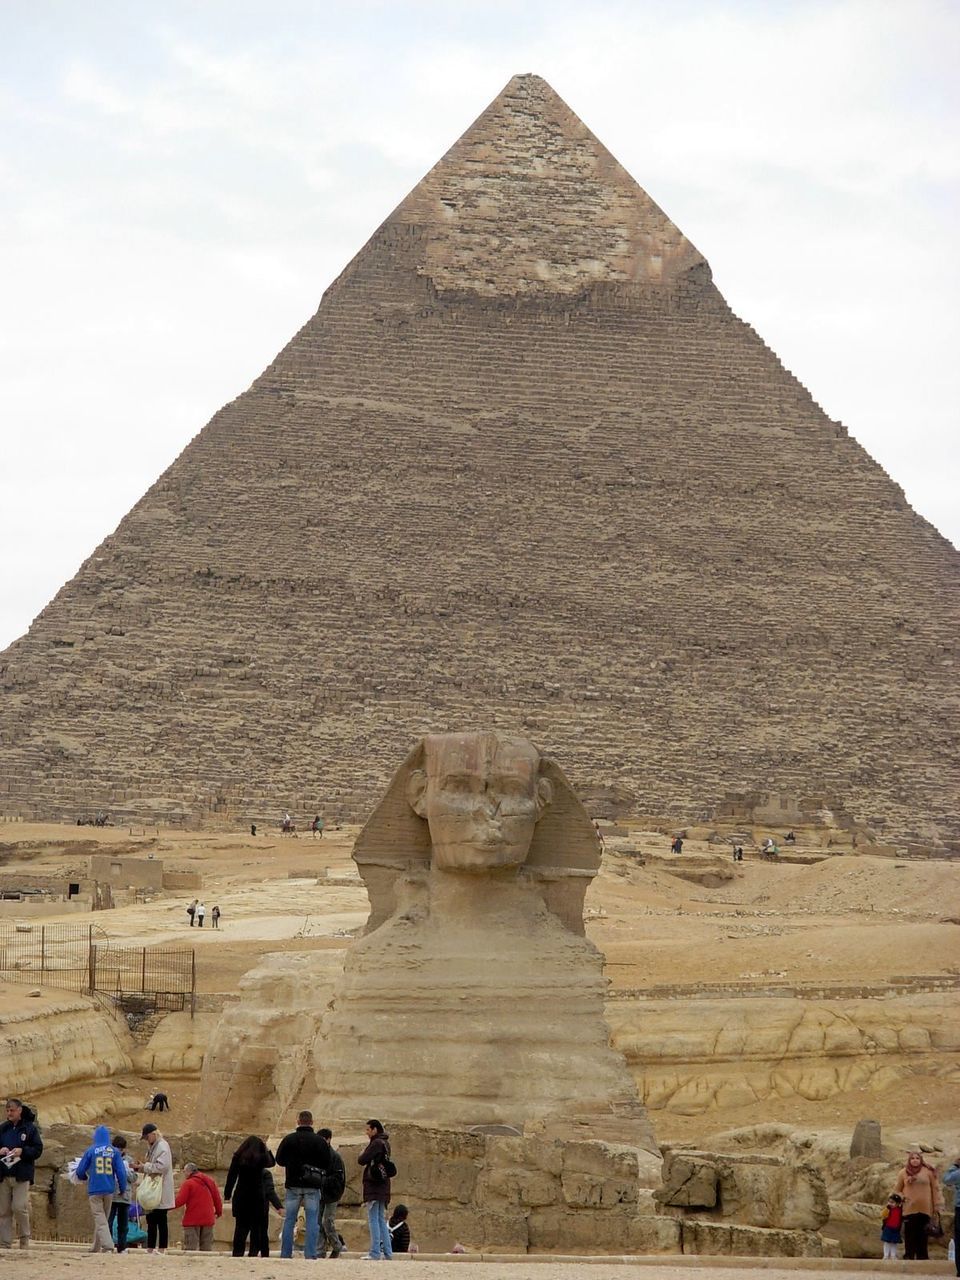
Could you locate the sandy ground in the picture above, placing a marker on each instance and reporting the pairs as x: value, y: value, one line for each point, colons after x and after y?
x: 851, y: 920
x: 40, y: 1263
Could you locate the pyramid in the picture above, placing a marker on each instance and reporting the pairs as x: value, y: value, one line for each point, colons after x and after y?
x: 523, y: 468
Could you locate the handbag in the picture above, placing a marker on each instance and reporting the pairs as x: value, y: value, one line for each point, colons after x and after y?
x: 935, y: 1227
x: 150, y: 1191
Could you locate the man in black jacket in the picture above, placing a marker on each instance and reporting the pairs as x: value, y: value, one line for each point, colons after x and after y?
x: 334, y: 1185
x: 20, y: 1147
x: 306, y: 1158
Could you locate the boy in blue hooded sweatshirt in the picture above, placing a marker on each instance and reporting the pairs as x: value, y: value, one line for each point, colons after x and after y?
x: 102, y: 1168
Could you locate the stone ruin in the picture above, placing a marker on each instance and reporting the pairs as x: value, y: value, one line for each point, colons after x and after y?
x: 469, y: 1017
x: 523, y: 467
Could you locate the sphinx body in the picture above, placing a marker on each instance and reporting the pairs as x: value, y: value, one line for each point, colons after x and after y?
x: 474, y: 997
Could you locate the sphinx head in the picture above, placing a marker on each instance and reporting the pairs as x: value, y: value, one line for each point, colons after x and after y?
x: 481, y: 795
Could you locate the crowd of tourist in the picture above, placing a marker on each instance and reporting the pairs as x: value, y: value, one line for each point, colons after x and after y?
x: 122, y: 1191
x: 130, y: 1199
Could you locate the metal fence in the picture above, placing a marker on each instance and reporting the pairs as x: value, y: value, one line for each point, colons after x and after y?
x: 81, y: 958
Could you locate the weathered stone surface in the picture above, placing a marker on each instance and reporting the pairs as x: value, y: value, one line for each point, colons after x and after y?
x: 749, y: 1242
x: 552, y: 344
x: 259, y: 1051
x: 757, y: 1190
x: 474, y: 970
x: 866, y: 1141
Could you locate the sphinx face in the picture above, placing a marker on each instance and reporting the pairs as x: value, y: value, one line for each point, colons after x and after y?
x: 481, y: 795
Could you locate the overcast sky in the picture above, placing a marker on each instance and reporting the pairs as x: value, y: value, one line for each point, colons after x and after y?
x: 180, y: 181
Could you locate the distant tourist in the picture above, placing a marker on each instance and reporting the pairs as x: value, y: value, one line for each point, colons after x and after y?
x: 192, y: 911
x: 316, y: 826
x: 245, y: 1189
x: 600, y: 840
x: 158, y: 1163
x: 120, y: 1208
x: 677, y: 846
x: 158, y: 1102
x: 399, y: 1229
x: 20, y: 1147
x: 201, y: 912
x: 917, y: 1183
x: 890, y: 1228
x: 952, y: 1179
x: 215, y: 917
x: 199, y: 1197
x: 375, y: 1159
x: 101, y: 1167
x: 790, y: 838
x: 334, y: 1185
x: 738, y: 853
x: 302, y: 1154
x: 253, y: 828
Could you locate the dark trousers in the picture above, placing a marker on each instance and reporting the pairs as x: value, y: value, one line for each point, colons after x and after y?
x: 120, y: 1213
x: 157, y: 1232
x: 915, y: 1236
x: 255, y: 1226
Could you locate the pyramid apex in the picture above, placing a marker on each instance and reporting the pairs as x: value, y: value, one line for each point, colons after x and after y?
x: 529, y: 201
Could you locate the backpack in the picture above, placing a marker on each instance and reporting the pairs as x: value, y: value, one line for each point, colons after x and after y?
x: 311, y: 1177
x: 334, y: 1183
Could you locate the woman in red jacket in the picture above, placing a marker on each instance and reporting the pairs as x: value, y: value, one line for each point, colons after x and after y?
x: 199, y: 1196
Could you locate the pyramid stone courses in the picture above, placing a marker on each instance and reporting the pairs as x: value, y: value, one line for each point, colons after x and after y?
x: 522, y: 468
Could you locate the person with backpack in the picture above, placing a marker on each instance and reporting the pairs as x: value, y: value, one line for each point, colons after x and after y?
x: 306, y: 1158
x: 332, y: 1189
x: 120, y: 1209
x: 378, y: 1169
x: 400, y: 1229
x: 101, y: 1167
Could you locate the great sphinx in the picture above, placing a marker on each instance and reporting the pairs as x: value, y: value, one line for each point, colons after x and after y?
x: 473, y: 997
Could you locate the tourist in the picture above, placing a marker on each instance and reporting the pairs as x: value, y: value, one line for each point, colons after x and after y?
x: 952, y: 1179
x: 306, y: 1158
x: 120, y: 1208
x: 158, y: 1102
x: 738, y: 853
x: 158, y: 1162
x: 201, y: 912
x: 677, y: 846
x: 316, y: 826
x: 790, y: 838
x: 215, y: 917
x: 245, y: 1190
x: 917, y: 1183
x: 199, y: 1197
x: 376, y: 1188
x: 600, y: 840
x: 253, y: 828
x: 101, y: 1167
x: 20, y: 1146
x: 334, y: 1185
x: 399, y: 1229
x: 270, y: 1197
x: 891, y: 1223
x: 192, y: 911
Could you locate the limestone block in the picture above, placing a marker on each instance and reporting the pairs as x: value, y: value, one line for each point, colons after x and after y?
x: 688, y: 1182
x: 63, y: 1038
x: 558, y: 1229
x: 721, y: 1238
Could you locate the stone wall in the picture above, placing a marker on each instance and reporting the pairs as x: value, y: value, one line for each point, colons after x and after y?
x: 496, y: 1193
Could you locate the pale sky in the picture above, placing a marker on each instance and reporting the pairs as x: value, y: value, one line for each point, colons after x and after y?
x: 180, y: 181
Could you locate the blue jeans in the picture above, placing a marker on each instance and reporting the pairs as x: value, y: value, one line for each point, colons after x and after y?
x: 309, y: 1197
x: 379, y: 1231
